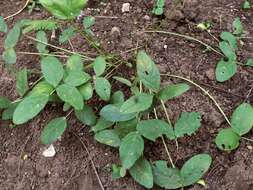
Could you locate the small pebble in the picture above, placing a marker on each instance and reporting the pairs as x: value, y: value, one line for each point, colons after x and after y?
x: 146, y: 17
x: 125, y: 7
x: 49, y: 152
x: 115, y: 31
x: 165, y: 46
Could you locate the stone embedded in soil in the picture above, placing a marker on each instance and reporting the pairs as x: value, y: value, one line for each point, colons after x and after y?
x: 115, y: 31
x: 125, y: 7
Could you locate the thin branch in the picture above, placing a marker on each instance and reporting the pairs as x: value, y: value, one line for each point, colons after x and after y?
x: 205, y: 92
x: 92, y: 163
x: 186, y: 37
x: 16, y: 13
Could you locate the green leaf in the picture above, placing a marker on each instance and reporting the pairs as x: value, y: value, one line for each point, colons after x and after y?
x: 52, y: 70
x: 42, y: 87
x: 168, y: 178
x: 67, y: 34
x: 70, y: 95
x: 4, y: 102
x: 108, y: 137
x: 3, y: 26
x: 188, y: 123
x: 125, y: 127
x: 131, y: 149
x: 118, y: 98
x: 230, y: 38
x: 101, y: 125
x: 8, y: 113
x: 103, y: 88
x: 237, y: 27
x: 54, y: 129
x: 22, y: 82
x: 74, y: 62
x: 12, y: 37
x: 242, y: 119
x: 29, y: 107
x: 123, y: 80
x: 147, y: 71
x: 36, y: 25
x: 246, y: 5
x: 86, y: 115
x: 9, y: 56
x: 225, y: 70
x: 250, y: 62
x: 142, y: 173
x: 65, y: 9
x: 137, y: 103
x: 86, y: 91
x: 66, y: 106
x: 227, y: 139
x: 228, y: 51
x: 117, y: 171
x: 99, y: 65
x: 42, y: 37
x: 76, y: 78
x: 173, y: 91
x: 88, y: 22
x: 112, y: 113
x: 152, y: 129
x: 194, y: 169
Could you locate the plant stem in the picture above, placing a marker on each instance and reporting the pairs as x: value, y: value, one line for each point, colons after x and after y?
x: 59, y: 48
x: 165, y: 145
x: 44, y: 54
x: 203, y: 90
x: 186, y: 37
x: 247, y: 139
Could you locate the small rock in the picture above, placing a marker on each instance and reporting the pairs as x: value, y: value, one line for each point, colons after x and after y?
x: 146, y: 17
x: 125, y: 7
x: 49, y: 152
x: 165, y: 46
x: 115, y: 31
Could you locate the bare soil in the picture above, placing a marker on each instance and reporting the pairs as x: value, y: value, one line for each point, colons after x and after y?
x: 71, y: 169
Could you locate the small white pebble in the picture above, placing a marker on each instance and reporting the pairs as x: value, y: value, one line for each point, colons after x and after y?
x: 49, y: 152
x: 125, y: 7
x: 165, y: 46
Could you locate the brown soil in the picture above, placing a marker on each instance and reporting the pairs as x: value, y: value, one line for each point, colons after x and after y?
x: 71, y: 169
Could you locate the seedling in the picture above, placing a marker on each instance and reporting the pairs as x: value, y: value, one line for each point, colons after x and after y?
x: 158, y: 7
x: 246, y: 5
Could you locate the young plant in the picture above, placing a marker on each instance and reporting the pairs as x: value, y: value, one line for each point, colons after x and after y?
x: 241, y: 123
x: 126, y: 124
x: 158, y: 7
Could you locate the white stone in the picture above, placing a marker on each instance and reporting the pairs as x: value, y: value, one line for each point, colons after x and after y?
x: 125, y: 7
x: 49, y: 152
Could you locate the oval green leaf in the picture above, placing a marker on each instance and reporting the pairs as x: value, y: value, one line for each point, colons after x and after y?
x: 173, y: 91
x: 74, y: 62
x: 108, y: 137
x: 29, y: 107
x: 22, y: 82
x: 101, y: 125
x: 86, y: 90
x: 142, y: 173
x: 137, y: 103
x: 86, y: 115
x: 76, y: 78
x: 131, y: 149
x: 4, y: 102
x: 52, y: 70
x: 225, y: 70
x: 99, y: 65
x: 9, y: 56
x: 242, y: 119
x: 70, y: 95
x: 227, y: 139
x: 103, y: 88
x: 54, y: 129
x: 194, y: 169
